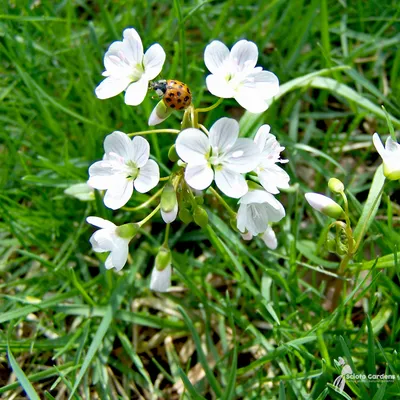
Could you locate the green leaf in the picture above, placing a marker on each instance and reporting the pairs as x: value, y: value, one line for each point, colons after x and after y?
x: 94, y: 346
x: 371, y: 206
x: 22, y: 378
x: 202, y: 357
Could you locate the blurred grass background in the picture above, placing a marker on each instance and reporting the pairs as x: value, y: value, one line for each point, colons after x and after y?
x: 242, y: 321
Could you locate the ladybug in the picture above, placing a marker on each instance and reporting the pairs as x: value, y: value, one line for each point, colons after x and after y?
x: 175, y: 94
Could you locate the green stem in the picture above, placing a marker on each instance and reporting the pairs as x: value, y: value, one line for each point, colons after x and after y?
x: 146, y: 203
x: 174, y: 131
x: 165, y: 243
x: 151, y: 215
x: 349, y: 232
x: 223, y: 202
x: 207, y: 109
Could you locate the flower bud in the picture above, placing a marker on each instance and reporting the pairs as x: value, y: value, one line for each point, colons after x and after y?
x: 390, y: 156
x: 335, y: 185
x: 169, y: 203
x: 325, y: 205
x: 163, y: 258
x: 185, y: 216
x: 172, y: 154
x: 127, y: 231
x: 200, y: 217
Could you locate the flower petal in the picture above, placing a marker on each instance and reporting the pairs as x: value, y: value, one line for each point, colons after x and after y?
x: 199, y: 176
x: 118, y: 143
x: 161, y: 280
x: 219, y: 87
x: 111, y: 86
x: 241, y: 222
x: 140, y: 151
x: 133, y: 46
x: 119, y: 253
x: 273, y: 177
x: 244, y: 54
x: 153, y: 61
x: 119, y: 193
x: 136, y: 92
x: 102, y: 241
x: 223, y: 134
x: 192, y: 146
x: 100, y: 222
x: 215, y: 56
x: 261, y: 136
x: 269, y: 238
x: 231, y: 183
x: 101, y: 175
x: 243, y: 157
x: 148, y: 177
x: 159, y: 114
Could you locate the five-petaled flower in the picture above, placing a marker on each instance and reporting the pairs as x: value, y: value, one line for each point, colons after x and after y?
x: 112, y: 238
x: 125, y: 165
x: 234, y: 74
x: 127, y: 68
x: 390, y: 156
x: 257, y: 209
x: 221, y: 156
x: 272, y: 177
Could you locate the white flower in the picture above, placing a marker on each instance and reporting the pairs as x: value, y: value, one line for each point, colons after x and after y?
x: 127, y: 68
x: 234, y: 74
x: 257, y: 209
x: 220, y: 156
x: 109, y: 238
x: 125, y: 165
x: 325, y: 205
x: 161, y: 280
x: 390, y: 156
x: 271, y: 176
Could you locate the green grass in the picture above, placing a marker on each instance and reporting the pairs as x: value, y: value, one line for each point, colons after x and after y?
x: 242, y: 321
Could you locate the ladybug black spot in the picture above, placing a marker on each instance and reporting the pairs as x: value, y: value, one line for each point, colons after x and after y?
x: 172, y: 105
x: 179, y: 101
x: 186, y: 98
x: 181, y: 107
x: 180, y: 87
x: 173, y: 82
x: 179, y: 94
x: 171, y: 95
x: 168, y: 100
x: 188, y: 90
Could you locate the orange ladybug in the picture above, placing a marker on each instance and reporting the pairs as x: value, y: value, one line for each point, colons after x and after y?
x: 175, y: 94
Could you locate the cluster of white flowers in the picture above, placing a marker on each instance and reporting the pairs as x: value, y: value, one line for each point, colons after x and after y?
x: 218, y: 155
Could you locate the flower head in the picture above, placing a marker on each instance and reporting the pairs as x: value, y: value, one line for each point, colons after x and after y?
x: 220, y: 156
x: 125, y: 165
x: 128, y: 68
x: 112, y: 238
x: 272, y: 177
x: 325, y: 205
x: 257, y: 209
x: 234, y: 74
x: 390, y: 156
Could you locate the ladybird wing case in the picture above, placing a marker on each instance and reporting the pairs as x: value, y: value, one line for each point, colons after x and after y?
x: 177, y: 95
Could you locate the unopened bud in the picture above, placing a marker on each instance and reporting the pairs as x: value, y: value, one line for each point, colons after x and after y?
x: 127, y: 231
x: 169, y: 203
x: 163, y: 258
x: 335, y: 185
x: 325, y: 205
x: 200, y: 217
x: 185, y: 216
x: 172, y: 154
